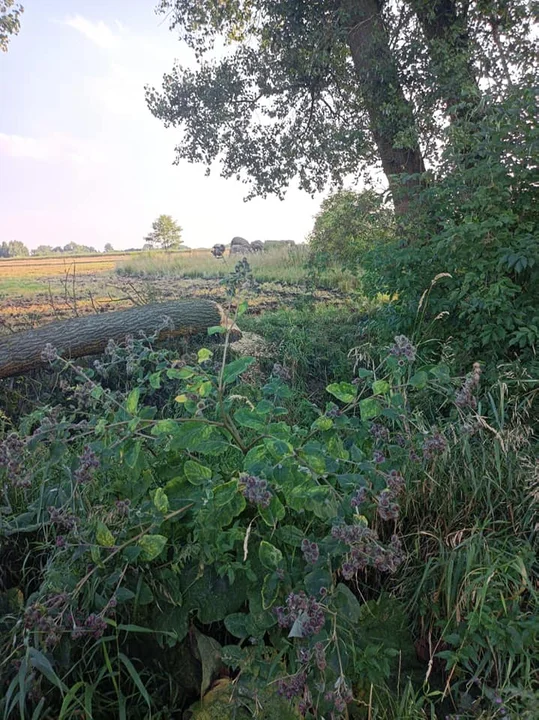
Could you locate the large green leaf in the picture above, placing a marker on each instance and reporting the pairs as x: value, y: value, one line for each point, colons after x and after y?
x: 131, y: 404
x: 151, y: 545
x: 234, y: 369
x: 270, y: 590
x: 343, y: 391
x: 270, y: 556
x: 196, y: 473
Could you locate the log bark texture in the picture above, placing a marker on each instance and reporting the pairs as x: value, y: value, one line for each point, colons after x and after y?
x: 89, y: 335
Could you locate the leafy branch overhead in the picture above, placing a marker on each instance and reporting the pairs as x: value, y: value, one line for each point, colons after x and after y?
x: 10, y: 22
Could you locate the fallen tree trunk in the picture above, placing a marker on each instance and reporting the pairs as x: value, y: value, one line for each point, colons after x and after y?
x: 89, y: 335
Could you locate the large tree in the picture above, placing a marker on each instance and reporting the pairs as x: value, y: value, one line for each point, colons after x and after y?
x: 323, y: 89
x: 304, y: 89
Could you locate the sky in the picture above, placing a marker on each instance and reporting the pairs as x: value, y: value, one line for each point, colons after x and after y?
x: 82, y: 159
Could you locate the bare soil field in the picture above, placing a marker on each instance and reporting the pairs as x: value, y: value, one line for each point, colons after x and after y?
x: 35, y: 291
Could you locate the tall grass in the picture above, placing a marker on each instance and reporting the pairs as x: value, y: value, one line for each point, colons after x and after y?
x: 283, y: 265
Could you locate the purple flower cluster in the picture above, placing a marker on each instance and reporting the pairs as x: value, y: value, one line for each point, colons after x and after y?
x: 378, y: 457
x: 255, y: 490
x: 359, y: 497
x: 465, y: 397
x: 395, y: 482
x: 320, y: 656
x: 63, y: 520
x: 122, y: 507
x: 311, y: 551
x: 46, y: 618
x: 339, y: 699
x: 403, y: 349
x: 88, y: 463
x: 434, y: 445
x: 388, y: 509
x: 379, y: 432
x: 304, y: 610
x: 11, y: 458
x: 293, y: 686
x: 365, y: 550
x: 94, y: 626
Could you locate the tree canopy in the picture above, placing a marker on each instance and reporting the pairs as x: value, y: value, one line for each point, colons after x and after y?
x: 324, y: 89
x: 165, y: 234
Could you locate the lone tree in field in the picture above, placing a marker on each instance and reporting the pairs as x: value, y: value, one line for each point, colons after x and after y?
x: 166, y: 234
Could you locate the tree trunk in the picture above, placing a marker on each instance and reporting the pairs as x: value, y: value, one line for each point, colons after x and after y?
x: 446, y: 32
x: 89, y: 335
x: 391, y: 117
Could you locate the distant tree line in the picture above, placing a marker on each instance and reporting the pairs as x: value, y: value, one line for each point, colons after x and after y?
x: 16, y: 248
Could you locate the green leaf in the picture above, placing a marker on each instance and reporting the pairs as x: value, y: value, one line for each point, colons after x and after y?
x: 270, y: 590
x: 242, y: 307
x: 270, y: 556
x: 380, y: 387
x: 160, y: 500
x: 419, y: 380
x: 165, y: 427
x: 209, y: 652
x: 155, y: 380
x: 347, y: 603
x: 203, y: 355
x: 316, y: 580
x: 290, y: 535
x: 369, y: 408
x: 196, y: 473
x: 151, y: 545
x: 204, y: 388
x: 104, y: 536
x: 322, y: 423
x: 136, y: 678
x: 234, y: 369
x: 131, y: 404
x: 250, y: 419
x: 180, y: 374
x: 228, y: 503
x: 343, y: 391
x: 274, y: 513
x: 216, y: 330
x: 236, y: 624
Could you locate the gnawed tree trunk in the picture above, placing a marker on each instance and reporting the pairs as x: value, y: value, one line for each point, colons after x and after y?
x: 391, y: 117
x: 89, y: 335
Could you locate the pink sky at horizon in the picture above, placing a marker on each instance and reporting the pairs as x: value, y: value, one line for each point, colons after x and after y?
x: 81, y: 157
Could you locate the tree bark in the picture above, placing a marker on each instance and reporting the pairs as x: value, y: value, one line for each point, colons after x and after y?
x: 89, y: 335
x: 391, y: 116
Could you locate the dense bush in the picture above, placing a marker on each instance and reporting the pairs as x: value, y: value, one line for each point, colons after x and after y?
x: 168, y: 520
x: 348, y: 224
x: 477, y: 224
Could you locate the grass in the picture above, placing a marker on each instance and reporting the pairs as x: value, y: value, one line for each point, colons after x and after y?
x: 282, y: 265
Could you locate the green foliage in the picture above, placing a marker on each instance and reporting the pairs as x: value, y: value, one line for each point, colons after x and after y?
x: 9, y: 21
x: 480, y: 226
x: 165, y: 510
x: 349, y: 224
x: 13, y: 248
x: 166, y: 234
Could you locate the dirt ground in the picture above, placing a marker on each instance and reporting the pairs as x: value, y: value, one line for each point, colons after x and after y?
x: 29, y: 299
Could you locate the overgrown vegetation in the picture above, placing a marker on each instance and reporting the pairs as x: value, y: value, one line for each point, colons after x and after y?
x: 346, y: 526
x: 282, y: 265
x: 297, y: 563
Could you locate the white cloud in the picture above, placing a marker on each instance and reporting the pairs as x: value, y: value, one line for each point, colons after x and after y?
x: 57, y: 147
x: 97, y: 32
